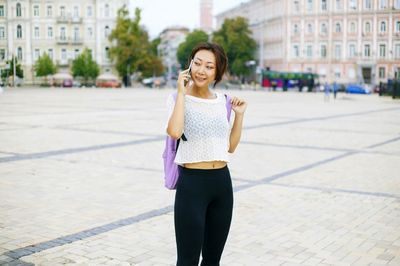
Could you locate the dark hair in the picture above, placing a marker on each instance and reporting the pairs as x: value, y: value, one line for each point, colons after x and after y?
x: 221, y: 60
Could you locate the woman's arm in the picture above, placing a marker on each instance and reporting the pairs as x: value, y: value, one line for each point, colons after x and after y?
x: 239, y: 107
x: 175, y: 122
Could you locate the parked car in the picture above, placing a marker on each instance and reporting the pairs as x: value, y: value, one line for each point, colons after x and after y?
x: 359, y: 89
x: 108, y: 80
x: 154, y: 82
x: 67, y: 83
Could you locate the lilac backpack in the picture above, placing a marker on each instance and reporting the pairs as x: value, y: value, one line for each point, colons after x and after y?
x: 171, y: 173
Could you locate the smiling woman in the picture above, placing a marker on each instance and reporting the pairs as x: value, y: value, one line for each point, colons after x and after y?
x: 204, y: 196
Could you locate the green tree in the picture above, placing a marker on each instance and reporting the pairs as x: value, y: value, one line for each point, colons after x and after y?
x: 154, y: 45
x: 85, y: 67
x: 235, y: 37
x: 131, y: 50
x: 44, y: 66
x: 186, y: 47
x: 10, y: 71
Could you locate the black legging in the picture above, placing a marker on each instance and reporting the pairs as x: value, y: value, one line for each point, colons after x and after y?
x: 203, y: 213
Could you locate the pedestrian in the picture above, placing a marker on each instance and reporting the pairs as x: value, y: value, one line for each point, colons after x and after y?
x: 326, y: 92
x: 335, y: 89
x: 204, y: 195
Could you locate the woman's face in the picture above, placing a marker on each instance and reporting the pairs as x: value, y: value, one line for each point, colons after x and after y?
x: 203, y: 68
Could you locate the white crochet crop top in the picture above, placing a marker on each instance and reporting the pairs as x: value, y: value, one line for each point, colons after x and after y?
x: 206, y: 129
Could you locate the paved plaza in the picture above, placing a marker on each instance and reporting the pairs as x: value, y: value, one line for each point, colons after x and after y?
x: 81, y: 179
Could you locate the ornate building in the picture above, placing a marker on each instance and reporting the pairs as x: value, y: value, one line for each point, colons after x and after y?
x: 341, y: 40
x: 62, y: 29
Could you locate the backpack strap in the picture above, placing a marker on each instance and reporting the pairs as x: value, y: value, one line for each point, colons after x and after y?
x: 228, y: 106
x: 183, y: 137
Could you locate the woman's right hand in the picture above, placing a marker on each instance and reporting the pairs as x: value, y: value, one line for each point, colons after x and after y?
x: 183, y: 79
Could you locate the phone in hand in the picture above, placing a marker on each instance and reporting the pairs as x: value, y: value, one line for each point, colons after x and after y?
x: 190, y: 71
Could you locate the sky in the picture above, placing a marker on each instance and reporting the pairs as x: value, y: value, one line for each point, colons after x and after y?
x: 159, y: 14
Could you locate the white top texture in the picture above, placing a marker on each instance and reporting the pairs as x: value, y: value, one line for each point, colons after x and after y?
x: 206, y: 128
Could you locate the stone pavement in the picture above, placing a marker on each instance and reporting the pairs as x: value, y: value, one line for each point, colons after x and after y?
x: 316, y: 183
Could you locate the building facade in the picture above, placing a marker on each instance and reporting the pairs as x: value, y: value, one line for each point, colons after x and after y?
x: 341, y: 40
x: 62, y: 29
x: 171, y: 38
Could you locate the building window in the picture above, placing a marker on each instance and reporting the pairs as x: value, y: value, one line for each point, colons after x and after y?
x: 37, y: 54
x: 90, y: 31
x: 19, y: 53
x: 76, y: 54
x: 397, y: 26
x: 36, y: 33
x: 35, y: 11
x: 338, y: 51
x: 382, y: 4
x: 106, y: 10
x: 63, y: 34
x: 353, y: 4
x: 367, y: 27
x: 352, y: 50
x: 367, y: 50
x: 397, y: 4
x: 1, y: 11
x: 19, y: 32
x: 2, y: 33
x: 337, y: 73
x: 19, y: 10
x: 50, y: 32
x: 310, y: 28
x: 2, y: 54
x: 295, y: 29
x: 323, y: 51
x: 368, y: 4
x: 382, y: 73
x: 338, y: 4
x: 62, y: 11
x: 49, y: 11
x: 310, y: 5
x: 76, y: 11
x: 397, y: 51
x: 50, y: 51
x: 296, y: 6
x: 338, y: 28
x: 383, y: 26
x: 309, y: 51
x: 324, y: 29
x: 107, y: 52
x: 382, y: 50
x: 89, y: 11
x: 76, y: 34
x: 63, y: 54
x: 296, y: 51
x: 324, y: 5
x: 352, y: 27
x: 106, y: 31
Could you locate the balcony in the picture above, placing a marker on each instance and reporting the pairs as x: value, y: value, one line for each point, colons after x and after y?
x: 76, y: 19
x: 63, y: 19
x: 76, y: 40
x: 62, y: 40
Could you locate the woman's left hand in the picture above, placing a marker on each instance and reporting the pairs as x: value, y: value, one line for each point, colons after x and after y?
x: 238, y: 105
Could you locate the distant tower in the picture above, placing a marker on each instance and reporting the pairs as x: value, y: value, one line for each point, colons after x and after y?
x: 206, y: 17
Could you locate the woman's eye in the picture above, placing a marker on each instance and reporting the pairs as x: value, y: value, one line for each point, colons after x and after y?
x: 197, y: 63
x: 210, y: 67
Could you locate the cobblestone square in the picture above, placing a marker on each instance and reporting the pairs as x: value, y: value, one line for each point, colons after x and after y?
x: 81, y: 179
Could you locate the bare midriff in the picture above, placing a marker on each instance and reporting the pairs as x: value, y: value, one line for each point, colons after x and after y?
x: 205, y: 165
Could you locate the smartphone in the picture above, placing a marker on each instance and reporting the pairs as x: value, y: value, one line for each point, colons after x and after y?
x: 190, y: 71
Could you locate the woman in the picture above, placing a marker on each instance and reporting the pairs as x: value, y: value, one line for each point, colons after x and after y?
x: 204, y: 197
